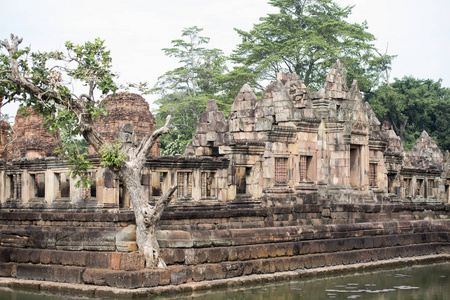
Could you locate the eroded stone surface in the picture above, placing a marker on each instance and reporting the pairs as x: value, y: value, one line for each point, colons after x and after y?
x: 29, y: 139
x: 126, y: 108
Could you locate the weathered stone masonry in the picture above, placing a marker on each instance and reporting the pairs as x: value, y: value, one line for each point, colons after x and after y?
x: 293, y: 181
x: 292, y: 146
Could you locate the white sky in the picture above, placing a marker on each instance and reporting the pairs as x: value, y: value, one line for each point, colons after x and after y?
x: 135, y: 31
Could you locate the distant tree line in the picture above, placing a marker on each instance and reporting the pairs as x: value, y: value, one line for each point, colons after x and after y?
x: 305, y: 37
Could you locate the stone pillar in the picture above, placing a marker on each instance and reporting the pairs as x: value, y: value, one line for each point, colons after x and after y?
x: 110, y: 191
x: 75, y: 193
x: 27, y: 187
x: 2, y: 187
x: 50, y: 189
x: 196, y: 185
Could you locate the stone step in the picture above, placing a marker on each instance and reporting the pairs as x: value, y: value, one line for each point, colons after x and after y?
x: 195, y: 256
x: 90, y: 259
x: 179, y: 274
x: 55, y: 238
x: 237, y: 237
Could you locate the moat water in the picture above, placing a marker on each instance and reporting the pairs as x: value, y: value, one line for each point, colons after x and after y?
x: 407, y: 283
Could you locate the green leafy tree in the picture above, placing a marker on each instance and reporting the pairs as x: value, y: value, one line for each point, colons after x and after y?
x: 43, y: 81
x: 306, y: 37
x: 413, y: 105
x: 185, y: 90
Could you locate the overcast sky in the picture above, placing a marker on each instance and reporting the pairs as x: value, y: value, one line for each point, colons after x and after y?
x: 135, y: 31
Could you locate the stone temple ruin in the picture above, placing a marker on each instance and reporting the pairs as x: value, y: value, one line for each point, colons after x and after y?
x: 293, y: 181
x: 292, y: 146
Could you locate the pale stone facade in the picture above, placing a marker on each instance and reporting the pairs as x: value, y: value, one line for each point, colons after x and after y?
x: 291, y: 147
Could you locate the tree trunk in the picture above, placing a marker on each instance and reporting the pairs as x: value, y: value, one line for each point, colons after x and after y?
x: 146, y: 215
x: 129, y: 172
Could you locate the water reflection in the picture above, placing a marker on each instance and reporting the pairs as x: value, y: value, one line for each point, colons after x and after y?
x: 410, y: 283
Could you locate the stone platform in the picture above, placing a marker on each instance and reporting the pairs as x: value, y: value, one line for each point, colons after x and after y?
x: 92, y: 249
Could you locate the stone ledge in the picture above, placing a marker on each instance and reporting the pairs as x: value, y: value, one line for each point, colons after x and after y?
x: 180, y: 274
x: 239, y: 237
x: 91, y: 259
x: 52, y: 288
x: 195, y: 256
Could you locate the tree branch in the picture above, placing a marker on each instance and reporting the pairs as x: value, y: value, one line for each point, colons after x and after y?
x: 149, y: 140
x: 77, y: 106
x: 162, y: 203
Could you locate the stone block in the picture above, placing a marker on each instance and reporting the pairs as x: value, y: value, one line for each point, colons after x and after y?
x: 132, y: 261
x: 56, y: 257
x: 42, y: 239
x: 198, y: 272
x: 50, y: 273
x: 45, y: 256
x: 211, y: 136
x: 22, y: 255
x: 7, y: 269
x: 100, y: 260
x: 222, y: 126
x: 178, y: 275
x: 95, y: 276
x: 151, y: 278
x: 126, y: 280
x: 173, y: 255
x: 248, y: 267
x: 215, y: 255
x: 164, y: 277
x: 195, y: 256
x: 129, y: 246
x: 174, y: 239
x: 230, y: 270
x: 4, y: 254
x: 68, y: 274
x: 34, y: 256
x: 202, y: 128
x: 318, y: 260
x: 34, y: 272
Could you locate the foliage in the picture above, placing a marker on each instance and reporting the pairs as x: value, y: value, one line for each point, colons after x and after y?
x: 185, y: 90
x: 413, y: 105
x: 306, y: 37
x: 5, y: 117
x: 44, y: 80
x: 112, y: 156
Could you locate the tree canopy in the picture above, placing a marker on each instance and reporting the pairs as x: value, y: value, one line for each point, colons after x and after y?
x: 413, y: 105
x: 185, y: 90
x: 44, y: 81
x: 306, y: 37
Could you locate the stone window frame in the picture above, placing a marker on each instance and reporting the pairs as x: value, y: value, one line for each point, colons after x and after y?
x: 13, y: 186
x: 281, y: 163
x: 33, y: 185
x: 430, y: 188
x: 373, y: 169
x: 407, y: 187
x: 87, y: 192
x: 184, y: 183
x: 58, y: 188
x: 247, y: 169
x: 207, y: 190
x: 306, y: 168
x: 420, y: 187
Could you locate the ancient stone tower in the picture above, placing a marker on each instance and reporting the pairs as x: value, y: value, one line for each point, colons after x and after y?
x: 4, y: 130
x: 125, y: 108
x: 29, y: 139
